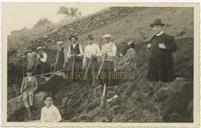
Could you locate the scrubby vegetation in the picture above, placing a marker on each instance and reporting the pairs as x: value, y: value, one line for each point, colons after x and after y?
x: 137, y: 101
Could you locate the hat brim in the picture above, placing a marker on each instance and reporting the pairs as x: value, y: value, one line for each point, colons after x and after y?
x: 152, y: 25
x: 107, y: 37
x: 60, y: 43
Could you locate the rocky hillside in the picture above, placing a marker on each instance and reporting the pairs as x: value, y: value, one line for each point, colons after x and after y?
x: 133, y: 24
x: 136, y: 101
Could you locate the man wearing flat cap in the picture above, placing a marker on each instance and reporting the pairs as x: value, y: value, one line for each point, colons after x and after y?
x: 91, y: 54
x: 161, y: 47
x: 75, y: 53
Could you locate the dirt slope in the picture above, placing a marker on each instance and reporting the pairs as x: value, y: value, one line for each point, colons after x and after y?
x: 137, y: 101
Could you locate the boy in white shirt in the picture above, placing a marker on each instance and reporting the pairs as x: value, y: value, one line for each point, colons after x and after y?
x: 50, y: 113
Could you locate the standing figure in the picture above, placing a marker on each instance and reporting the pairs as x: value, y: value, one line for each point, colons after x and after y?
x: 42, y: 66
x: 161, y: 46
x: 108, y: 53
x: 91, y: 54
x: 75, y: 53
x: 59, y: 64
x: 31, y: 59
x: 29, y: 86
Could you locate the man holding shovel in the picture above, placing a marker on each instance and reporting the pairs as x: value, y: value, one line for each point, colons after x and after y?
x: 90, y: 63
x: 75, y: 53
x: 108, y: 53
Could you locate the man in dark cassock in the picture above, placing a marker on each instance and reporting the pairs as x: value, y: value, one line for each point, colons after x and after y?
x: 75, y: 53
x: 160, y: 47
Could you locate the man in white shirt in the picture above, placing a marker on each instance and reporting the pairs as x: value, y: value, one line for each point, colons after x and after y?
x: 42, y: 60
x: 91, y: 54
x: 50, y: 113
x: 75, y: 53
x: 108, y: 53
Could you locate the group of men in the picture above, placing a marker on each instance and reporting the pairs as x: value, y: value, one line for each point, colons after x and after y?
x: 72, y: 61
x: 75, y: 59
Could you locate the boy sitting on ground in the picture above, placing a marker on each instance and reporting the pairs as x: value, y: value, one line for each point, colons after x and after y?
x: 29, y: 86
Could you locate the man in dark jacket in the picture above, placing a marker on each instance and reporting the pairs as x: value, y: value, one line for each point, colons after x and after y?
x: 75, y: 53
x: 160, y: 47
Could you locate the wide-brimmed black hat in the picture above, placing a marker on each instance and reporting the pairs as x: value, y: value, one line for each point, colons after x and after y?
x: 157, y: 22
x: 73, y: 37
x: 90, y: 37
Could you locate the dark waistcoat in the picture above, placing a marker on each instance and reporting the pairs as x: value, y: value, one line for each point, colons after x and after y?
x: 75, y: 50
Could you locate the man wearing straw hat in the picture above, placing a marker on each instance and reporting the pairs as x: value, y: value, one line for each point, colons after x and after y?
x: 161, y: 46
x: 108, y: 53
x: 91, y: 54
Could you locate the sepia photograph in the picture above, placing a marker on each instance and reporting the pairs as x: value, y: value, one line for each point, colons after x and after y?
x: 100, y: 63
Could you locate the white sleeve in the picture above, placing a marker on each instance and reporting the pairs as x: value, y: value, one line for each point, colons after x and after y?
x: 114, y: 50
x: 65, y: 55
x: 98, y: 52
x: 58, y: 115
x: 85, y: 51
x: 42, y: 117
x: 68, y: 53
x: 102, y: 50
x: 44, y: 59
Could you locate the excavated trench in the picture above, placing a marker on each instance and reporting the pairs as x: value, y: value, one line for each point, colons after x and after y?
x: 136, y: 101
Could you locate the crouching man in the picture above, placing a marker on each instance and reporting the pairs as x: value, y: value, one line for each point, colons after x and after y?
x: 29, y: 86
